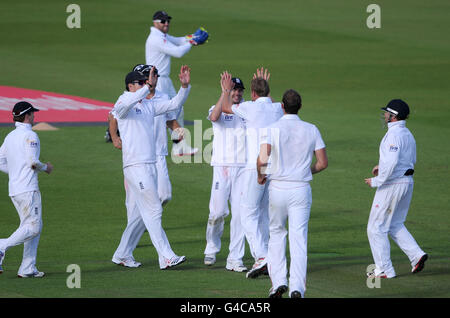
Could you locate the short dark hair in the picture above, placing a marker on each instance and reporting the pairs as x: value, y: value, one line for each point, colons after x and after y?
x: 260, y: 87
x: 20, y: 119
x: 292, y: 101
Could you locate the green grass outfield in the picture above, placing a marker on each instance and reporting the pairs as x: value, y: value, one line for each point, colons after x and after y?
x: 345, y: 73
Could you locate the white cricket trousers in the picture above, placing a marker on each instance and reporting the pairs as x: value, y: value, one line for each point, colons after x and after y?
x: 29, y: 208
x: 136, y: 227
x: 226, y: 187
x: 144, y: 211
x: 288, y: 201
x: 254, y: 213
x: 163, y: 181
x: 387, y: 216
x: 165, y: 85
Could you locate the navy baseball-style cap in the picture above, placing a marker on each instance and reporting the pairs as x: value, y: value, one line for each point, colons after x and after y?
x: 145, y: 69
x: 397, y: 107
x: 134, y: 76
x: 161, y: 15
x: 238, y: 83
x: 22, y: 108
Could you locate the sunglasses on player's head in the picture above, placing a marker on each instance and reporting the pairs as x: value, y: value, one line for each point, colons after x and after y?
x: 162, y: 21
x: 141, y: 82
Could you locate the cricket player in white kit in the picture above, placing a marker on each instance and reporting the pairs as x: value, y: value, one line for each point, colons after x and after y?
x: 258, y: 113
x: 159, y: 48
x: 394, y: 182
x: 19, y: 158
x: 228, y: 161
x: 161, y: 123
x: 135, y: 117
x: 287, y: 149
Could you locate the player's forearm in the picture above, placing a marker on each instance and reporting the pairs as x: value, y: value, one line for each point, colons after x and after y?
x: 177, y: 40
x: 127, y: 102
x: 173, y: 104
x: 227, y: 103
x: 113, y: 128
x: 3, y: 161
x: 3, y: 166
x: 217, y: 110
x: 322, y: 161
x: 384, y: 172
x: 38, y: 166
x: 317, y: 167
x: 260, y: 164
x: 176, y: 51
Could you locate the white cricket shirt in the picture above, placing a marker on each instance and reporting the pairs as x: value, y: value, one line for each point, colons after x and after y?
x: 293, y: 143
x: 161, y: 126
x: 229, y: 140
x: 257, y: 114
x: 135, y: 118
x: 160, y: 47
x: 19, y: 151
x: 397, y: 154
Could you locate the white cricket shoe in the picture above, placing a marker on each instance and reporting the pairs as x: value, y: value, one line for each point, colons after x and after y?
x: 259, y: 268
x: 236, y: 267
x: 210, y: 259
x: 127, y: 262
x: 36, y: 274
x: 2, y: 256
x: 174, y: 261
x: 372, y: 275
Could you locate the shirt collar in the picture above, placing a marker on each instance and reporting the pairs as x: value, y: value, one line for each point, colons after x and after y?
x: 290, y: 116
x: 263, y: 99
x: 23, y: 125
x: 400, y: 123
x: 157, y: 32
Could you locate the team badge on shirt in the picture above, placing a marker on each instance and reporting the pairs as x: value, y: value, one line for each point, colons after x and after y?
x: 33, y: 143
x: 393, y: 148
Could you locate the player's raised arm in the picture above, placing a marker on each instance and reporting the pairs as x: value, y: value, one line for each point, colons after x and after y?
x: 185, y: 76
x: 217, y: 110
x: 227, y: 86
x: 162, y: 107
x: 262, y: 73
x: 265, y: 75
x: 129, y: 99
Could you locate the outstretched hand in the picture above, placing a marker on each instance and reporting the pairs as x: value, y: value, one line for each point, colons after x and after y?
x: 152, y: 78
x: 185, y: 76
x: 225, y: 82
x: 262, y: 73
